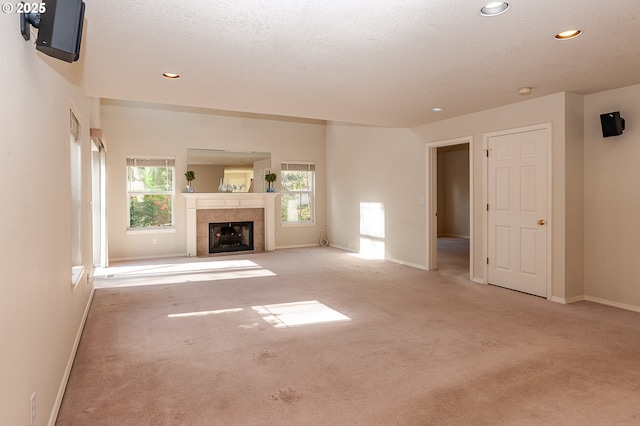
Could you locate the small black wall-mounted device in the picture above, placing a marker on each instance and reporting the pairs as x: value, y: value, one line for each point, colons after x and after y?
x: 612, y: 124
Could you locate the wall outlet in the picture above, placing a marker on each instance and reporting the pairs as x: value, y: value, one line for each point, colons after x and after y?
x: 33, y: 408
x: 154, y: 241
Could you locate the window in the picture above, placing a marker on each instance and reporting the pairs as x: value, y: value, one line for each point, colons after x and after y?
x: 76, y: 198
x: 150, y: 190
x: 297, y: 184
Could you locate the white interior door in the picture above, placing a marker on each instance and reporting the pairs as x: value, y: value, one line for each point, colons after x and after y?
x: 517, y: 195
x: 258, y: 180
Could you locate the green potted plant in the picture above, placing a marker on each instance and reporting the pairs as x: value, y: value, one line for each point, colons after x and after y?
x: 270, y: 177
x: 190, y: 175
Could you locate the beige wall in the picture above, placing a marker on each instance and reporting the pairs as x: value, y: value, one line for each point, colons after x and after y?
x: 379, y: 165
x: 574, y: 197
x: 612, y: 200
x: 391, y: 168
x: 155, y: 130
x: 40, y: 312
x: 453, y: 190
x: 547, y: 109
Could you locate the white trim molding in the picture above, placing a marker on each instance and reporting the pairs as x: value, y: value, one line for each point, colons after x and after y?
x: 72, y: 356
x: 612, y: 303
x: 431, y: 181
x: 567, y: 301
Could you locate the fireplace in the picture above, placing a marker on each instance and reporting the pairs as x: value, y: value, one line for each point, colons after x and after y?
x: 230, y: 237
x: 205, y: 208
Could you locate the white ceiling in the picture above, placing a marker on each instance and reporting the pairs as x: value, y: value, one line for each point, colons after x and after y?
x: 380, y: 62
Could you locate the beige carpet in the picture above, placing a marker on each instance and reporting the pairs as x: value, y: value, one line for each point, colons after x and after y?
x: 227, y: 342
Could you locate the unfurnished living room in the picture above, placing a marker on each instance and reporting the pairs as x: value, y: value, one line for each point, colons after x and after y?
x: 320, y: 213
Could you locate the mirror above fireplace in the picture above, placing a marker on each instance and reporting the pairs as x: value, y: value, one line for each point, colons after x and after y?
x: 217, y: 157
x: 237, y: 168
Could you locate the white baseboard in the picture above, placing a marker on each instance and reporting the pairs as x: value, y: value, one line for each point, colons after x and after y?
x: 297, y: 246
x: 478, y: 280
x: 612, y: 303
x: 567, y: 301
x: 72, y: 356
x: 413, y: 265
x: 399, y: 262
x: 595, y: 300
x: 156, y: 256
x: 343, y: 248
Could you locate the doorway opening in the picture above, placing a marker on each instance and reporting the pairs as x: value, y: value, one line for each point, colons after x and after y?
x: 450, y: 212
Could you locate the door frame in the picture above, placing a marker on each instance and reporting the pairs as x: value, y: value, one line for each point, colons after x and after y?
x: 548, y: 213
x: 431, y: 154
x: 100, y: 250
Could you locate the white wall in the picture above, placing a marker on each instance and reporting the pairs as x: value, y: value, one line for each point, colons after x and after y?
x: 391, y: 169
x: 378, y: 165
x: 612, y: 200
x: 156, y: 130
x: 547, y: 109
x: 40, y: 313
x: 574, y: 197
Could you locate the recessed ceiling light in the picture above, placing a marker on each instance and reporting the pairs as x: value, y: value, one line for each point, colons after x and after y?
x: 170, y: 75
x: 566, y: 35
x: 494, y: 8
x: 524, y: 91
x: 437, y: 109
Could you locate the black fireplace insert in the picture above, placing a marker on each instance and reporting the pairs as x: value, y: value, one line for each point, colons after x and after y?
x: 230, y: 237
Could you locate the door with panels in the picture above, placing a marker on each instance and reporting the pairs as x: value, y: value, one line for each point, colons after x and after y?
x: 517, y: 209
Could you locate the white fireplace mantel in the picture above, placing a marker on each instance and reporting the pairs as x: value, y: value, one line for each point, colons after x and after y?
x: 230, y: 200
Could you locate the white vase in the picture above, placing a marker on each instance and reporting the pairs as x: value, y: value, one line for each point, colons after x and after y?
x: 222, y: 186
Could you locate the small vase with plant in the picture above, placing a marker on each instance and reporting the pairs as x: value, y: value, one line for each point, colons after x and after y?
x: 270, y: 177
x: 190, y: 175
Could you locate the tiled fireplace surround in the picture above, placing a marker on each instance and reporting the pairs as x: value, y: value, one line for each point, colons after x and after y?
x: 205, y: 208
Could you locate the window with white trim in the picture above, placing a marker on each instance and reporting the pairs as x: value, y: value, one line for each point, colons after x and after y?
x: 297, y: 187
x: 75, y: 159
x: 150, y: 192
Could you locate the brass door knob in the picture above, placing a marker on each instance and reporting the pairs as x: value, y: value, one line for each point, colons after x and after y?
x: 541, y: 222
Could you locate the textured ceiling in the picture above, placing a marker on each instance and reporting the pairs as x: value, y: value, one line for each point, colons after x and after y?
x: 378, y: 62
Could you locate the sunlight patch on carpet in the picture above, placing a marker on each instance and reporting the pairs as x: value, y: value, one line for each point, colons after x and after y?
x: 205, y: 313
x: 174, y: 273
x: 298, y: 313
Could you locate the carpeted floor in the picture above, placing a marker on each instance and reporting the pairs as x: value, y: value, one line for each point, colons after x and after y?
x: 318, y: 336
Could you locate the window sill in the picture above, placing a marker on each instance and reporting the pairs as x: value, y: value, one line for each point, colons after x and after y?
x: 76, y: 275
x: 168, y: 230
x: 295, y: 224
